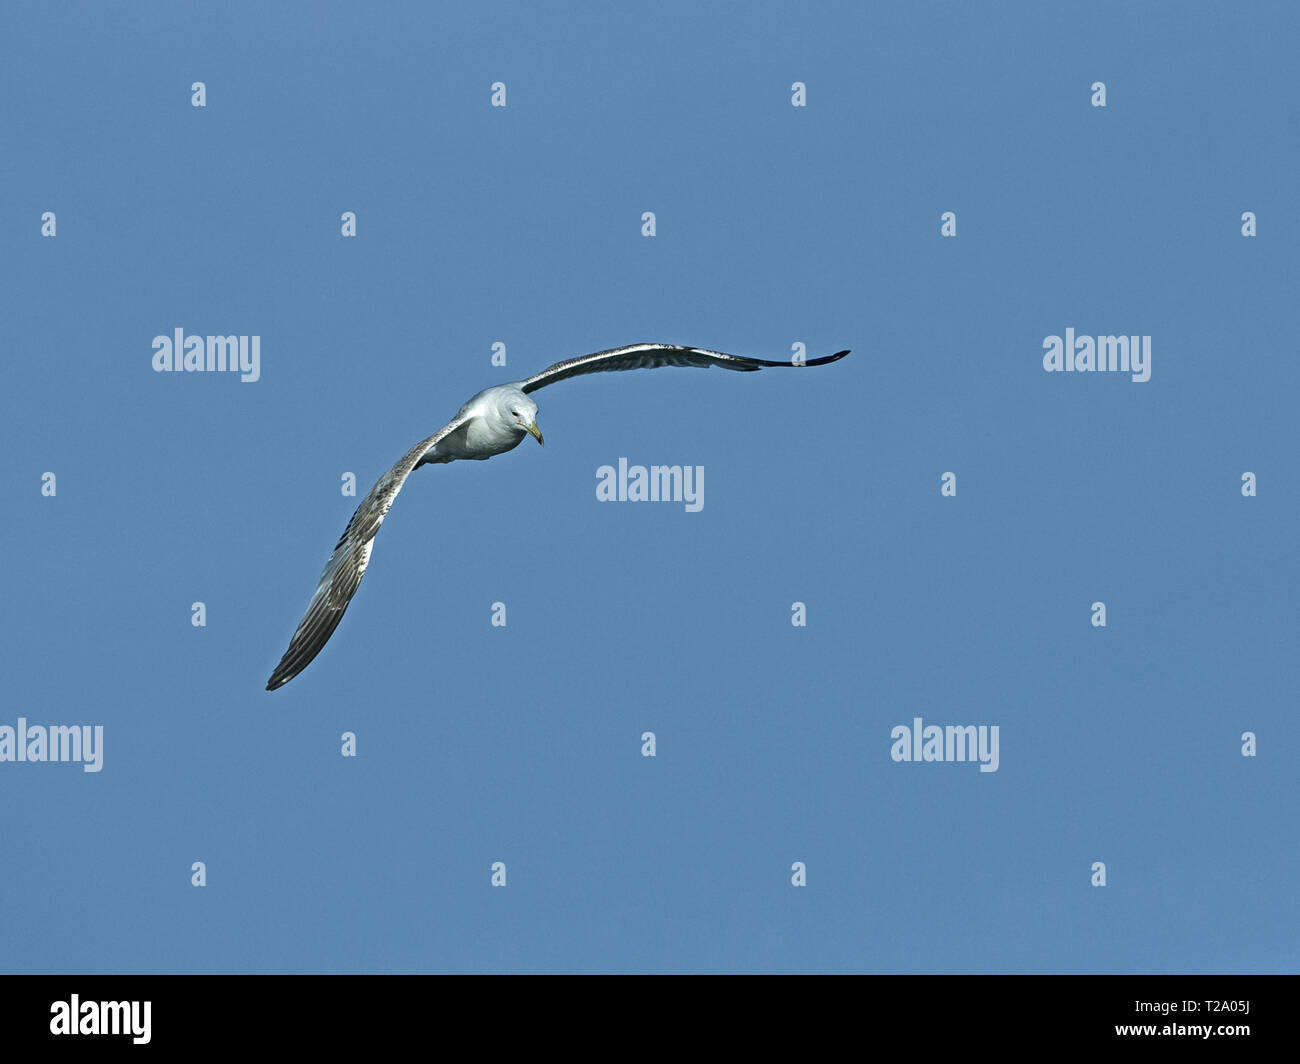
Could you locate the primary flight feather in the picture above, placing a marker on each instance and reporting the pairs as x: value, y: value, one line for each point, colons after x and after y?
x: 492, y: 422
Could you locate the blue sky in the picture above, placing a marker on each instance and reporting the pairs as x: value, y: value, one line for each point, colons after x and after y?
x: 775, y: 225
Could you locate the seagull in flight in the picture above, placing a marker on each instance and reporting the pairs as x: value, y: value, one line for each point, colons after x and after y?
x: 494, y: 421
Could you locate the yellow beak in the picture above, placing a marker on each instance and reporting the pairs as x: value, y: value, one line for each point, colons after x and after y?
x: 536, y: 433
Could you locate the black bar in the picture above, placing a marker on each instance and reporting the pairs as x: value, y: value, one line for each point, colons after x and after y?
x: 341, y: 1012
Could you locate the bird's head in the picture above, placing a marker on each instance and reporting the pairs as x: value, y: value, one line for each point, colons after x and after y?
x: 522, y: 413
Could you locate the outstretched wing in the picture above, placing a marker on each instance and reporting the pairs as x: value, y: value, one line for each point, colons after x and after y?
x: 347, y: 565
x: 652, y: 356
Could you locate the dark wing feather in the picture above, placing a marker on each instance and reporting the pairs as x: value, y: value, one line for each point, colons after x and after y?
x: 347, y: 565
x: 652, y: 356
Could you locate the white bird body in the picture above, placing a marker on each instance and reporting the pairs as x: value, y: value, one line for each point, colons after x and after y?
x: 486, y: 428
x: 492, y: 422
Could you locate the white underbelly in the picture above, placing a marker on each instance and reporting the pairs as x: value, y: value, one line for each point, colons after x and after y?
x: 477, y: 441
